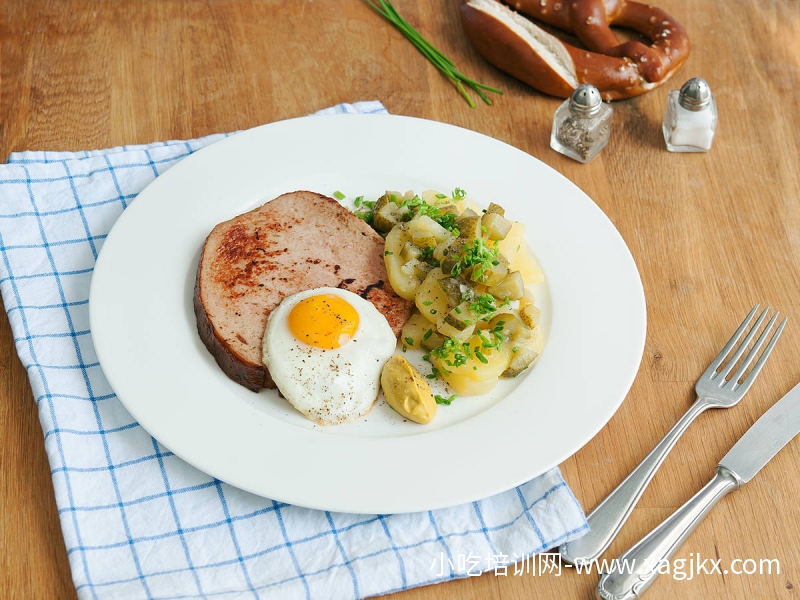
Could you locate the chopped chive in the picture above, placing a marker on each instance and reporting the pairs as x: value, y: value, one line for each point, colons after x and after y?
x: 387, y: 10
x: 442, y: 400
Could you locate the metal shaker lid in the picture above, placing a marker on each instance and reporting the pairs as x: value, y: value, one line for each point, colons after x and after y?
x: 585, y: 100
x: 695, y: 94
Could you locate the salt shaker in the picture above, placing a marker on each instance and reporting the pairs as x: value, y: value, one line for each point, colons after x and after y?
x: 690, y: 119
x: 581, y: 124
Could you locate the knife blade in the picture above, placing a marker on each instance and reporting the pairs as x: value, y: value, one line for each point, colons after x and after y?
x: 640, y: 565
x: 765, y: 438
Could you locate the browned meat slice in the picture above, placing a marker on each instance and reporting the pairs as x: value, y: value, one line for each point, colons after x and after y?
x: 249, y: 264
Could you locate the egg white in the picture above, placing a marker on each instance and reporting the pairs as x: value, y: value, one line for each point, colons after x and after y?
x: 329, y: 386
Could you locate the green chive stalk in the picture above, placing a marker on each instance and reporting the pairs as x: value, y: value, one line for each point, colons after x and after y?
x: 387, y: 10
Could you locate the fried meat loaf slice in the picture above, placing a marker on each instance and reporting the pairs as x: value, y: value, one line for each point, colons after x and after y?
x: 250, y: 263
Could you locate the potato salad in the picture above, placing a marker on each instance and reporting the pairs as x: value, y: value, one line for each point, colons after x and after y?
x: 467, y: 270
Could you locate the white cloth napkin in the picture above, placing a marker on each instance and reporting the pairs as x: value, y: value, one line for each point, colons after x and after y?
x: 138, y: 522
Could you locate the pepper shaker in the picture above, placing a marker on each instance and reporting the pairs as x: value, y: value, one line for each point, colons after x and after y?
x: 690, y: 119
x: 582, y: 124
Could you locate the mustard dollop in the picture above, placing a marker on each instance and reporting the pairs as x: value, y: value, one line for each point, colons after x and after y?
x: 406, y: 390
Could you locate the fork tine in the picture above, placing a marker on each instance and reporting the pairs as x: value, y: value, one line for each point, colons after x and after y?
x: 711, y: 371
x: 745, y: 385
x: 743, y: 346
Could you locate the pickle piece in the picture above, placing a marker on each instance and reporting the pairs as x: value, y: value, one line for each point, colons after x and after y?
x: 423, y: 240
x: 469, y: 228
x: 512, y: 328
x: 496, y: 209
x: 416, y: 268
x: 386, y: 214
x: 406, y: 390
x: 496, y: 226
x: 492, y: 276
x: 410, y: 251
x: 510, y: 286
x: 456, y: 289
x: 459, y: 323
x: 530, y: 315
x: 521, y: 360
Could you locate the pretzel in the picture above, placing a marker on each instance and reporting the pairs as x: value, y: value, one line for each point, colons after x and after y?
x: 518, y: 46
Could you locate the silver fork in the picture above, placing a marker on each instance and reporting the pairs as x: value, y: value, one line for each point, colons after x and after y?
x: 714, y: 390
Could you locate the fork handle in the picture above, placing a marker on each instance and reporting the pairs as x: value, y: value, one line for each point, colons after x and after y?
x: 637, y: 568
x: 607, y: 518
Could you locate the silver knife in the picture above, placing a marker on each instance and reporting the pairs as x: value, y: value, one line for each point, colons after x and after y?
x: 637, y: 568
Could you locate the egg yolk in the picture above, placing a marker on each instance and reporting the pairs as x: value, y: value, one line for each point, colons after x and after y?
x: 326, y: 321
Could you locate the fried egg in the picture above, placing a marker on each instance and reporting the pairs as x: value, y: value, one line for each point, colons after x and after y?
x: 325, y: 349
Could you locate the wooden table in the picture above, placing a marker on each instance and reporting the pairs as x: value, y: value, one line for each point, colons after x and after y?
x: 712, y: 234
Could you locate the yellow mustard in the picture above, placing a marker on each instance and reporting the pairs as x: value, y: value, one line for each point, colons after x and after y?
x: 406, y: 390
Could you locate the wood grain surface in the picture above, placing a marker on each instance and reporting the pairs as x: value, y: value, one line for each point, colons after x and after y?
x: 712, y: 234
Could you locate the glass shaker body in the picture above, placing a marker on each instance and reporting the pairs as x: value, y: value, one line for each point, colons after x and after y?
x: 579, y: 136
x: 687, y: 129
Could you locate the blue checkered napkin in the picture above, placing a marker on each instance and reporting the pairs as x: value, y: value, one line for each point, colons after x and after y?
x: 138, y: 522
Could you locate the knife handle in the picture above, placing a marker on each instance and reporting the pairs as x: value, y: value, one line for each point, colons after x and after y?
x: 637, y: 568
x: 610, y: 515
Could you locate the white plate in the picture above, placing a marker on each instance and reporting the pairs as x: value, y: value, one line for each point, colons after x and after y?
x: 143, y: 325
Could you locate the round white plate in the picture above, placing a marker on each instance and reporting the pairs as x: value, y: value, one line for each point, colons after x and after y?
x: 143, y: 325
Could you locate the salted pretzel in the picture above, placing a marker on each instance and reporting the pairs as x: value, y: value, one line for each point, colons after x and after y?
x: 517, y: 45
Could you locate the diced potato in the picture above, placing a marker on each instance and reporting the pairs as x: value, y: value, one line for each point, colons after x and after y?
x: 520, y: 258
x: 511, y: 244
x: 433, y: 197
x: 396, y: 240
x: 419, y: 332
x: 443, y: 249
x: 403, y: 282
x: 466, y: 386
x: 479, y: 372
x: 469, y: 212
x: 431, y: 299
x: 423, y: 226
